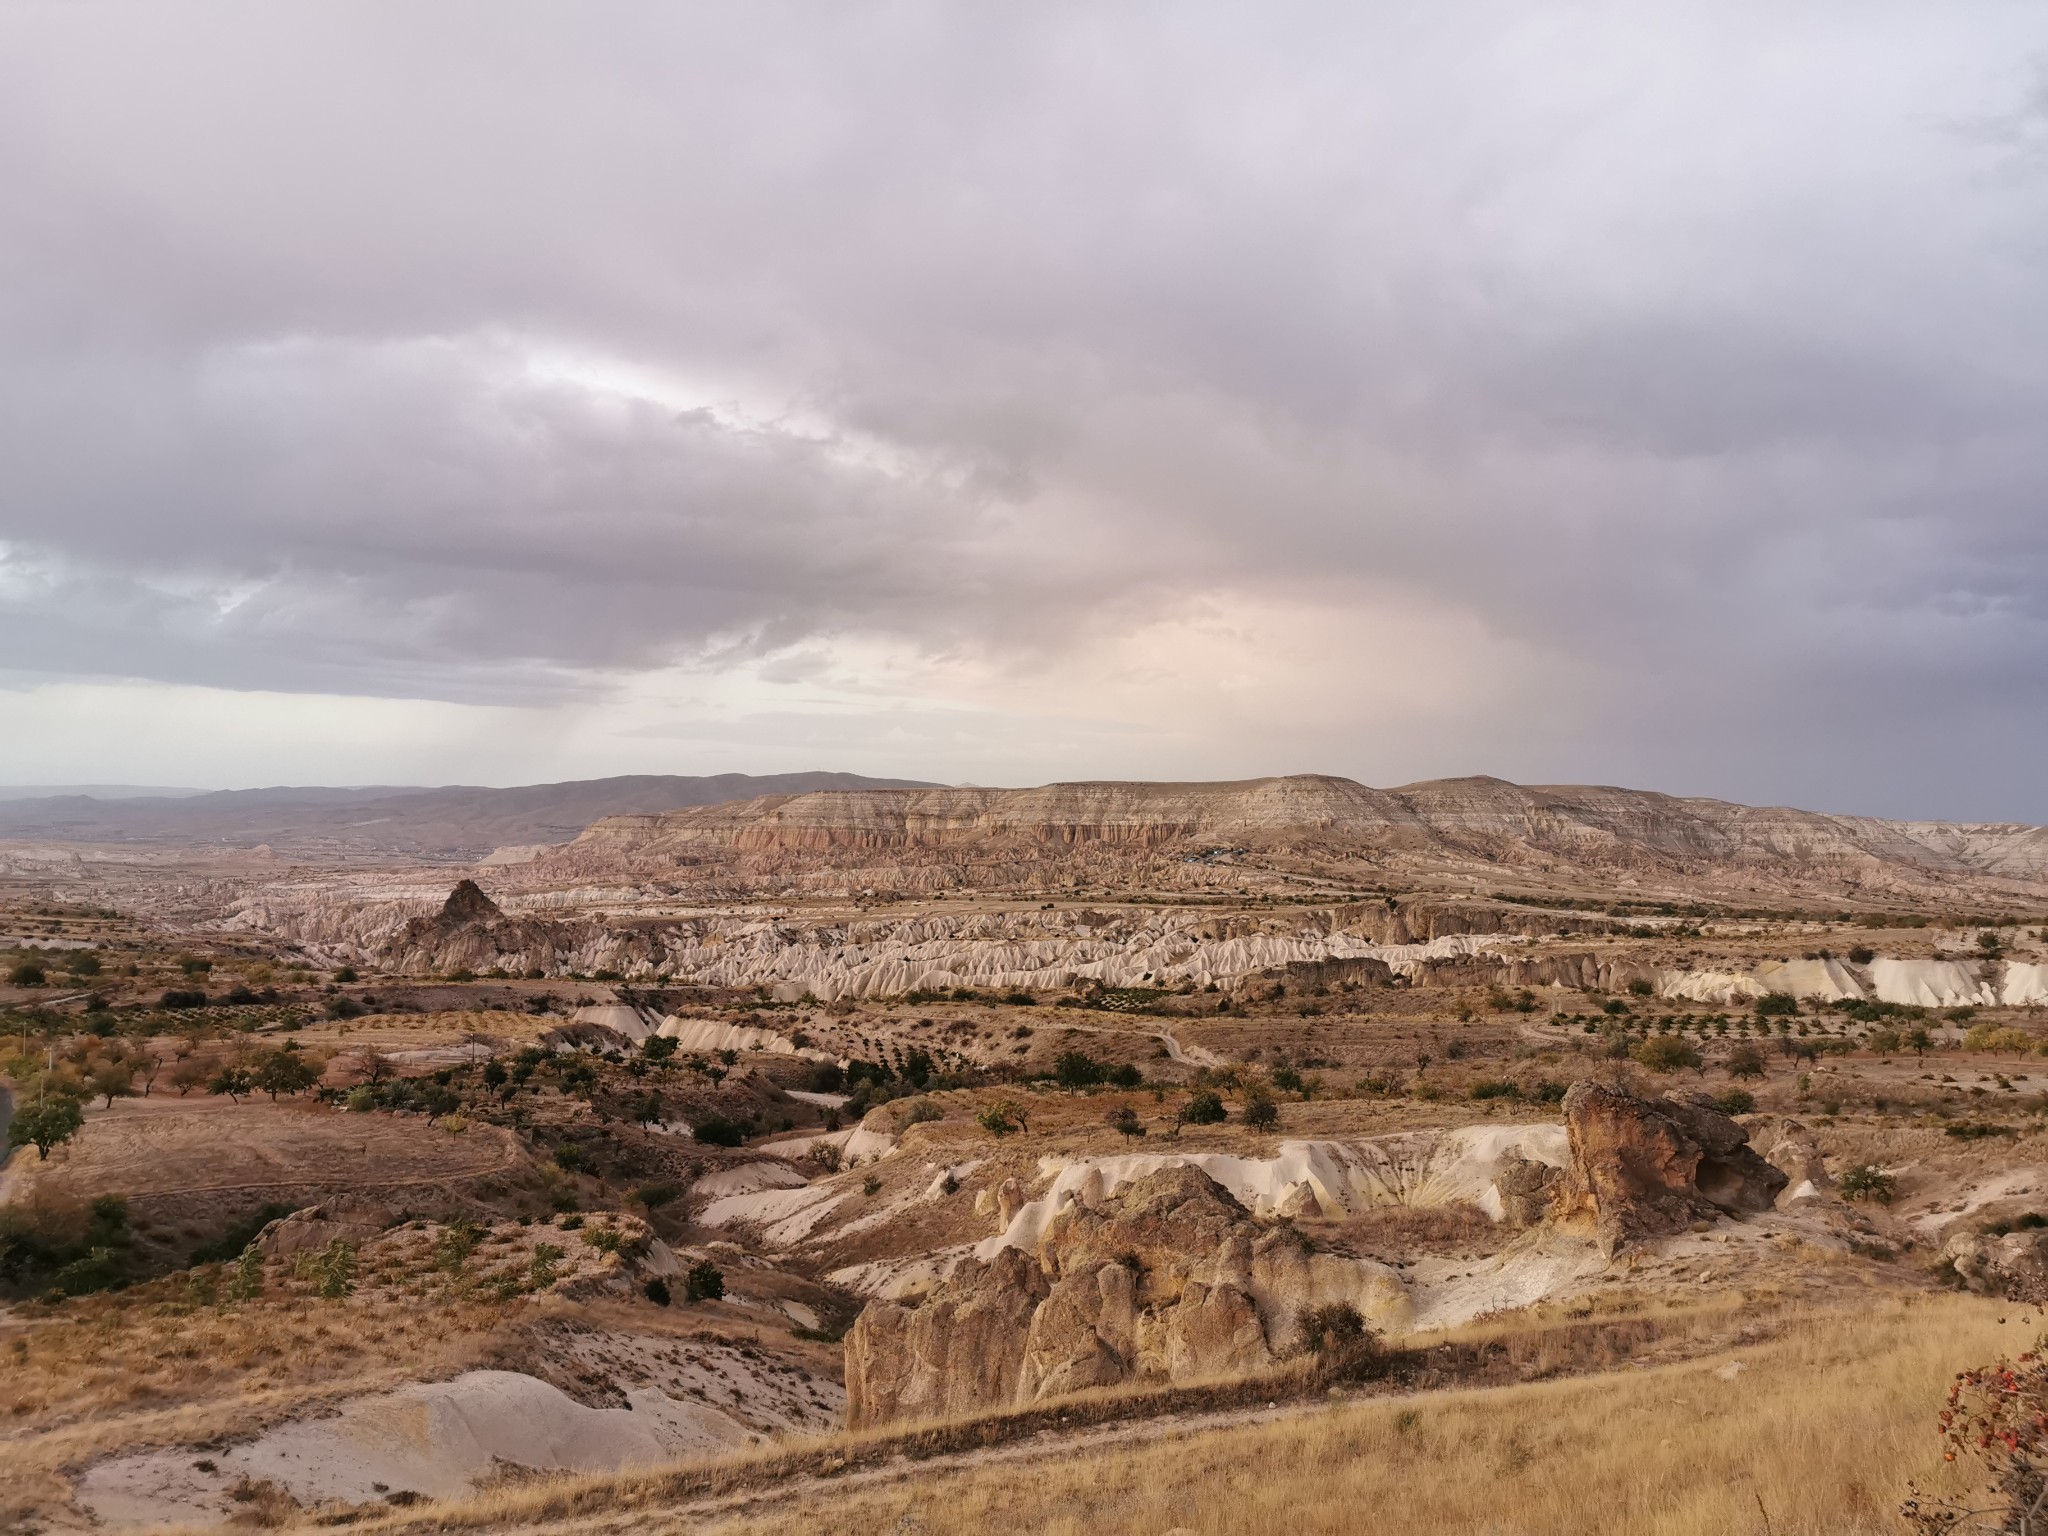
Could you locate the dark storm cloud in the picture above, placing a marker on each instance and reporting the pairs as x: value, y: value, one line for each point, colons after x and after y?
x: 473, y: 352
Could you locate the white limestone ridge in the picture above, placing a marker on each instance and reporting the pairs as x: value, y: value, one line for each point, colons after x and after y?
x: 1927, y: 983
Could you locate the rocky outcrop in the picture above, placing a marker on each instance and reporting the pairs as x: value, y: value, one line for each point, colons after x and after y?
x: 1168, y: 1279
x: 471, y: 932
x: 959, y: 1350
x: 1526, y: 1189
x: 1645, y: 1168
x: 346, y: 1218
x: 1789, y: 1147
x: 2013, y: 1264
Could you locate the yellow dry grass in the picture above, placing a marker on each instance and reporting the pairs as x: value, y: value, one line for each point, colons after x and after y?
x: 148, y: 1367
x: 421, y: 1031
x: 1815, y: 1434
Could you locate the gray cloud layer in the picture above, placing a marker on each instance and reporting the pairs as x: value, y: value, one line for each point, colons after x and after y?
x: 1695, y: 354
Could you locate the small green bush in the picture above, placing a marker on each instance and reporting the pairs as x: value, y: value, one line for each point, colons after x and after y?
x: 1665, y: 1053
x: 704, y: 1282
x: 1868, y: 1182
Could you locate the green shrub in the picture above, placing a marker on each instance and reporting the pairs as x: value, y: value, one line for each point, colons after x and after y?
x: 704, y: 1282
x: 458, y: 1240
x: 1865, y: 1181
x: 656, y: 1291
x: 717, y: 1131
x: 1203, y: 1107
x: 246, y: 1284
x: 1261, y: 1114
x: 1736, y: 1101
x: 542, y: 1269
x: 335, y: 1270
x: 1665, y: 1053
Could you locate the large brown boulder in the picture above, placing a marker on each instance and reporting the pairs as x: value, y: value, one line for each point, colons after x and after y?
x: 1643, y: 1168
x: 1168, y: 1279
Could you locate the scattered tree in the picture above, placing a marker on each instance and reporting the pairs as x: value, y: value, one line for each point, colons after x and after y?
x: 48, y: 1124
x: 1124, y: 1121
x: 1203, y: 1107
x: 112, y: 1078
x: 1745, y: 1061
x: 284, y: 1072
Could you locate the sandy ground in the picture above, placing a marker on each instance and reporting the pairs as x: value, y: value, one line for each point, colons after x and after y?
x: 439, y: 1438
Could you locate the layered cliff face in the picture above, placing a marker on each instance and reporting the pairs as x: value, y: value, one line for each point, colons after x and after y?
x: 1136, y: 815
x: 1451, y: 824
x: 1168, y: 1279
x: 1180, y: 1267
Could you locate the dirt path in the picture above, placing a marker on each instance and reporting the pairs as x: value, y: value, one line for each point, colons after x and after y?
x: 1186, y: 1055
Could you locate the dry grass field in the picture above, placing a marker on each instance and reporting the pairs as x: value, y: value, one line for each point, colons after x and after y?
x: 1813, y: 1432
x: 193, y: 1147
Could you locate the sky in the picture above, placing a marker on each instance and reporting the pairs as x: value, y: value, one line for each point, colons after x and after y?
x: 495, y: 392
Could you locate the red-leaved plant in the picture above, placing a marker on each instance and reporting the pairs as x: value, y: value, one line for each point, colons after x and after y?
x: 1998, y: 1415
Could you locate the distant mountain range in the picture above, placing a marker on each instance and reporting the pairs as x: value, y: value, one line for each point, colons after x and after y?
x: 456, y: 822
x: 97, y: 791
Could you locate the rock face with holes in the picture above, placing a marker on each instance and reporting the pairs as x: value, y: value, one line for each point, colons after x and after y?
x: 1168, y: 1279
x: 1644, y: 1168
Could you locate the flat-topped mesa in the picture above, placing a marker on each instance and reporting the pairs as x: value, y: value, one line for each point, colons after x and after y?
x: 1468, y: 824
x: 1137, y: 814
